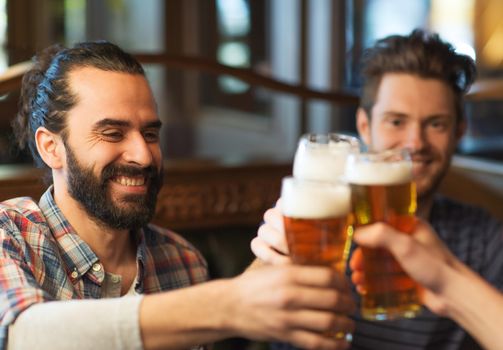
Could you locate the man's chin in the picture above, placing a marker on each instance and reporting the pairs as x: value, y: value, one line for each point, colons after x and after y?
x: 127, y: 216
x: 131, y: 206
x: 425, y: 189
x: 126, y: 200
x: 420, y: 169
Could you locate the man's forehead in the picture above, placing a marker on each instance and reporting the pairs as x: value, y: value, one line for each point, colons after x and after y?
x: 401, y: 92
x: 409, y: 82
x: 101, y: 84
x: 80, y: 76
x: 113, y: 96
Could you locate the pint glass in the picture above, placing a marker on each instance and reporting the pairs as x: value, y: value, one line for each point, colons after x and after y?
x: 322, y: 157
x: 382, y: 190
x: 317, y: 216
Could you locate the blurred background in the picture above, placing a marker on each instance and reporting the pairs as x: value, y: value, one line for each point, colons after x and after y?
x: 313, y: 43
x: 238, y: 81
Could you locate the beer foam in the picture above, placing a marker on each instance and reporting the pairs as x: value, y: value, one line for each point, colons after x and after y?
x: 314, y: 200
x: 378, y: 173
x: 322, y: 163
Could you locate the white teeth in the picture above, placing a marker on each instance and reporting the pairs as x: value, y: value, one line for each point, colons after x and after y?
x: 129, y: 181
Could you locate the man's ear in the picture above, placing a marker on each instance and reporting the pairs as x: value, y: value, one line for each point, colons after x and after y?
x: 363, y: 125
x: 50, y: 148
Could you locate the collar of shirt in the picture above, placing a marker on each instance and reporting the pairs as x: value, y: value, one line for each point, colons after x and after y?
x: 78, y: 257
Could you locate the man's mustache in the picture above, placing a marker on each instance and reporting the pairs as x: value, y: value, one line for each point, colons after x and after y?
x: 113, y: 170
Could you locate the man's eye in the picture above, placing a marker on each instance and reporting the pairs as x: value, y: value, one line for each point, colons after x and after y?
x: 151, y: 136
x: 396, y: 122
x: 112, y: 135
x: 438, y: 125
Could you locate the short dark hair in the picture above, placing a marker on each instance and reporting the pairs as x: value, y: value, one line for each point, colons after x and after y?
x: 419, y: 53
x: 45, y: 92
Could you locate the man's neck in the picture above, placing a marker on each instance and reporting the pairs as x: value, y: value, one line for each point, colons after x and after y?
x: 115, y: 248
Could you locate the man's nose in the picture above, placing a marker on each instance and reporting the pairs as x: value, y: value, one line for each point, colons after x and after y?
x: 137, y: 151
x: 416, y: 138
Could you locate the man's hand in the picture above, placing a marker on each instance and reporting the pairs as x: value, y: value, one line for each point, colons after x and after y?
x: 270, y: 245
x: 294, y: 304
x: 421, y: 254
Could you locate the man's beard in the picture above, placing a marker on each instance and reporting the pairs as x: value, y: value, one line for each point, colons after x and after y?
x: 133, y: 211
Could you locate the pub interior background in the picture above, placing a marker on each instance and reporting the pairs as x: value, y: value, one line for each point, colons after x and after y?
x: 238, y: 81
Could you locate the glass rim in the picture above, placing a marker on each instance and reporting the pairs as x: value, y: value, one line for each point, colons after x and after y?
x: 388, y: 155
x: 325, y: 138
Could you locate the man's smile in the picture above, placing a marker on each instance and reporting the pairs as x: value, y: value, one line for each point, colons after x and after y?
x: 129, y: 180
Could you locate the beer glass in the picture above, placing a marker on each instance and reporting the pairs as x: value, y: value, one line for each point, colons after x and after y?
x: 382, y: 190
x: 317, y: 220
x: 322, y: 157
x: 316, y: 217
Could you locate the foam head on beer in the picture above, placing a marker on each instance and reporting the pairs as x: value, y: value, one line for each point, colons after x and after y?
x: 314, y: 200
x: 377, y: 172
x: 382, y: 187
x: 316, y: 217
x: 322, y: 157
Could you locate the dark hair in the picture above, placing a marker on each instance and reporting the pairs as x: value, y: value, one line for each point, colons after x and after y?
x: 46, y: 96
x: 420, y: 53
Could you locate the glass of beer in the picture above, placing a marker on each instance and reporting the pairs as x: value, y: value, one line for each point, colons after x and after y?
x: 317, y: 220
x: 322, y: 157
x: 316, y: 216
x: 382, y: 190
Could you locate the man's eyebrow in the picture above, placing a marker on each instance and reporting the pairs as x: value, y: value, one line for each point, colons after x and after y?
x: 156, y: 124
x: 110, y: 122
x: 440, y: 115
x: 395, y: 114
x: 403, y: 114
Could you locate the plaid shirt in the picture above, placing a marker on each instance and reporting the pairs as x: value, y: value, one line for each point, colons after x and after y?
x: 42, y: 259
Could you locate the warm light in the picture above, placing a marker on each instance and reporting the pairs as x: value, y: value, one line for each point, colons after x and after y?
x: 490, y: 33
x: 453, y: 21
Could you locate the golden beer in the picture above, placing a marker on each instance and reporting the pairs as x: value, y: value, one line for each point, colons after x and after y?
x: 317, y: 241
x: 382, y: 191
x: 317, y: 218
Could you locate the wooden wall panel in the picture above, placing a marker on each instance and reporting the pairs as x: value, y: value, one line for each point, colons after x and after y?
x: 195, y: 196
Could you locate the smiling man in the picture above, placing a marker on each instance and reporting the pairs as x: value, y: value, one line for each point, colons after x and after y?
x: 83, y: 268
x: 412, y: 97
x: 120, y: 194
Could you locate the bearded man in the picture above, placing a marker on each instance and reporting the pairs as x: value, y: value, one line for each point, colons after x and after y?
x: 83, y: 268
